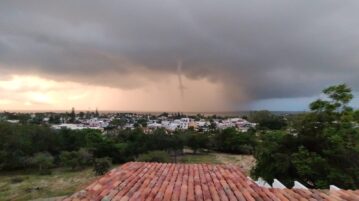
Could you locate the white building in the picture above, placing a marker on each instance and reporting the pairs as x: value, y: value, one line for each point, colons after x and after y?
x: 154, y: 125
x: 13, y: 121
x: 74, y: 127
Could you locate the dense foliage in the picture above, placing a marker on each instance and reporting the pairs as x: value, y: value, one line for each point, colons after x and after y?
x: 43, y: 161
x: 38, y: 146
x: 101, y: 165
x: 230, y: 141
x: 321, y: 149
x: 267, y: 120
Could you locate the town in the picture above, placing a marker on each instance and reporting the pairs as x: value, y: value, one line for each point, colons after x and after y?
x: 108, y: 121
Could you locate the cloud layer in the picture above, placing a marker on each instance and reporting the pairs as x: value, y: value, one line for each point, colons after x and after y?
x: 35, y: 93
x: 255, y: 49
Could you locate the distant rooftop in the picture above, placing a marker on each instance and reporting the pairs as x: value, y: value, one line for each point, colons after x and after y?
x: 163, y: 181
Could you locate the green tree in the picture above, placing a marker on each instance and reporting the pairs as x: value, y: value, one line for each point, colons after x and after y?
x: 310, y: 167
x: 72, y: 115
x: 97, y: 114
x: 356, y: 116
x: 119, y: 122
x: 102, y: 165
x: 142, y: 122
x: 197, y: 141
x: 213, y: 125
x: 267, y: 120
x: 43, y: 161
x: 81, y: 115
x: 76, y: 159
x: 54, y: 119
x: 321, y: 149
x: 231, y: 141
x: 69, y: 159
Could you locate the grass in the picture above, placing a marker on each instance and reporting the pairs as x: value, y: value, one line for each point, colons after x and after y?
x: 199, y: 158
x: 29, y: 185
x: 246, y: 162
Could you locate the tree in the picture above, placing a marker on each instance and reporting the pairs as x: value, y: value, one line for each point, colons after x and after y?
x: 231, y: 141
x: 267, y: 120
x: 142, y: 122
x: 38, y: 118
x: 97, y: 114
x: 136, y: 125
x: 311, y: 166
x: 102, y: 165
x: 76, y: 159
x: 177, y: 143
x: 85, y: 157
x: 81, y: 115
x: 213, y: 125
x: 54, y: 119
x: 273, y: 157
x: 72, y: 115
x: 121, y: 122
x: 340, y: 96
x: 322, y: 148
x: 69, y: 159
x: 43, y: 161
x: 356, y: 116
x: 165, y: 114
x: 197, y: 141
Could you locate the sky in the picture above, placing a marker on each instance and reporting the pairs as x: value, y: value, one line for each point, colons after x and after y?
x: 175, y: 55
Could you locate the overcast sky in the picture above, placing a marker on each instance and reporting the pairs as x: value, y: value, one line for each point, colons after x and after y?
x: 183, y: 55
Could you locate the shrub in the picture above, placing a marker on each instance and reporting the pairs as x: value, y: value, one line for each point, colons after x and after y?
x: 231, y: 141
x: 85, y: 158
x: 246, y: 149
x: 69, y: 159
x: 102, y: 165
x: 197, y: 141
x: 43, y: 161
x: 155, y: 156
x: 76, y: 159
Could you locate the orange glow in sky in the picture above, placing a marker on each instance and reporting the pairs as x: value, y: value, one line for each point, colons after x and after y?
x: 30, y: 92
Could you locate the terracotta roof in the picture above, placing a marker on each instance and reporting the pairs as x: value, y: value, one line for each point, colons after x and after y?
x: 164, y: 181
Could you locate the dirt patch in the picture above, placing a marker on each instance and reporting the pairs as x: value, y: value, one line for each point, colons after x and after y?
x: 246, y: 162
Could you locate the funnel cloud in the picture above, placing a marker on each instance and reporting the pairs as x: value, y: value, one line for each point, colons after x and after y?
x: 180, y: 82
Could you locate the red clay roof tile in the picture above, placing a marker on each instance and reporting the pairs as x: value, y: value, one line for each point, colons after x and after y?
x: 195, y: 182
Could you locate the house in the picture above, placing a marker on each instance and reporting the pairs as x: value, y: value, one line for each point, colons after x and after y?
x: 68, y: 126
x: 13, y: 121
x: 202, y: 123
x: 154, y: 125
x: 191, y: 182
x: 74, y: 127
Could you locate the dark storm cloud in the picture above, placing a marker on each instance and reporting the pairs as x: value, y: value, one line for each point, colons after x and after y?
x: 270, y: 49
